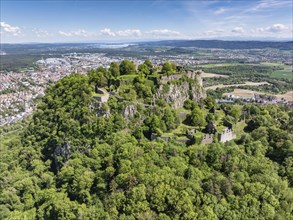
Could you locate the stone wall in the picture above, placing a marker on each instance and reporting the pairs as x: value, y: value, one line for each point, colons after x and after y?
x: 207, y: 139
x: 226, y: 135
x: 103, y: 98
x: 104, y: 95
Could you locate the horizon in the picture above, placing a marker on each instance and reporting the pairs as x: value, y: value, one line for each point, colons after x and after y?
x: 150, y: 20
x: 158, y: 40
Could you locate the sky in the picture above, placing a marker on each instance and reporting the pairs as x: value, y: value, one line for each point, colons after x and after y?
x: 121, y: 21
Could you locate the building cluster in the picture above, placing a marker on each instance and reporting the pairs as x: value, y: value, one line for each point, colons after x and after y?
x: 255, y: 98
x: 206, y: 56
x: 18, y: 90
x: 80, y: 62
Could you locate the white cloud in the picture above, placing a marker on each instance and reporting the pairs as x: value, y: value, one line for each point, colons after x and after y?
x: 258, y: 30
x: 107, y: 32
x: 163, y: 33
x: 271, y: 4
x: 271, y: 30
x: 276, y: 28
x: 238, y: 30
x: 78, y: 33
x: 129, y: 33
x: 138, y: 33
x: 221, y: 11
x: 40, y: 33
x: 121, y: 33
x: 14, y: 30
x: 211, y: 33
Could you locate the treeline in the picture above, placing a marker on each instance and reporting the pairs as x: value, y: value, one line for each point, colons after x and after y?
x: 243, y: 70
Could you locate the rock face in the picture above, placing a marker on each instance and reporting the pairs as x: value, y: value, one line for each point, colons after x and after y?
x: 178, y: 93
x: 195, y: 75
x: 129, y: 111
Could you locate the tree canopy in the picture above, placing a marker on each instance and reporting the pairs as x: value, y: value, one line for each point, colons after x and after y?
x: 79, y: 159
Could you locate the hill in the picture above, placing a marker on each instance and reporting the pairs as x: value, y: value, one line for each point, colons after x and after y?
x: 222, y: 44
x: 80, y: 157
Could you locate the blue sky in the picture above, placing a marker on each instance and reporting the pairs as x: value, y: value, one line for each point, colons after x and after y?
x: 88, y: 21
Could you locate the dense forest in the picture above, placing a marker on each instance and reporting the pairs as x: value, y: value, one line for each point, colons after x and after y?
x: 77, y: 158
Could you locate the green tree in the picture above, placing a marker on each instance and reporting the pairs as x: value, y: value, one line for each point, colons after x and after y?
x: 209, y: 102
x: 189, y: 104
x: 127, y: 67
x: 168, y: 68
x: 114, y: 69
x: 143, y: 68
x: 197, y: 117
x: 98, y: 78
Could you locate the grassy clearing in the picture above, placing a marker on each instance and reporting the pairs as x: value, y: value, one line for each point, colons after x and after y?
x: 97, y: 94
x: 127, y: 77
x: 94, y: 94
x: 272, y: 64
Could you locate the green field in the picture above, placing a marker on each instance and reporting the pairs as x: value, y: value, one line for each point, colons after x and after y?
x: 284, y: 74
x: 285, y: 71
x: 272, y: 64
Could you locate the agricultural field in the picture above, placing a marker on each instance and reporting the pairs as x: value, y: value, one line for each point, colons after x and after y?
x: 236, y: 85
x: 211, y: 65
x: 287, y: 96
x: 284, y: 71
x: 212, y: 75
x: 245, y: 93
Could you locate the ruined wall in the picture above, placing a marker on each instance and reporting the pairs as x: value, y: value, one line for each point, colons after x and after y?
x: 103, y: 98
x: 226, y: 135
x: 207, y: 139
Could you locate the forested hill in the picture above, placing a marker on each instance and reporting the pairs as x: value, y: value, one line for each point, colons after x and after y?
x: 223, y: 44
x: 80, y: 159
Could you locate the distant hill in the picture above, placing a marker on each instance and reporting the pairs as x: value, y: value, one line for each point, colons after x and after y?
x: 222, y: 44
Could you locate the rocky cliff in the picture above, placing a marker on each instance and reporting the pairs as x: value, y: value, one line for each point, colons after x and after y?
x: 129, y: 111
x: 176, y: 92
